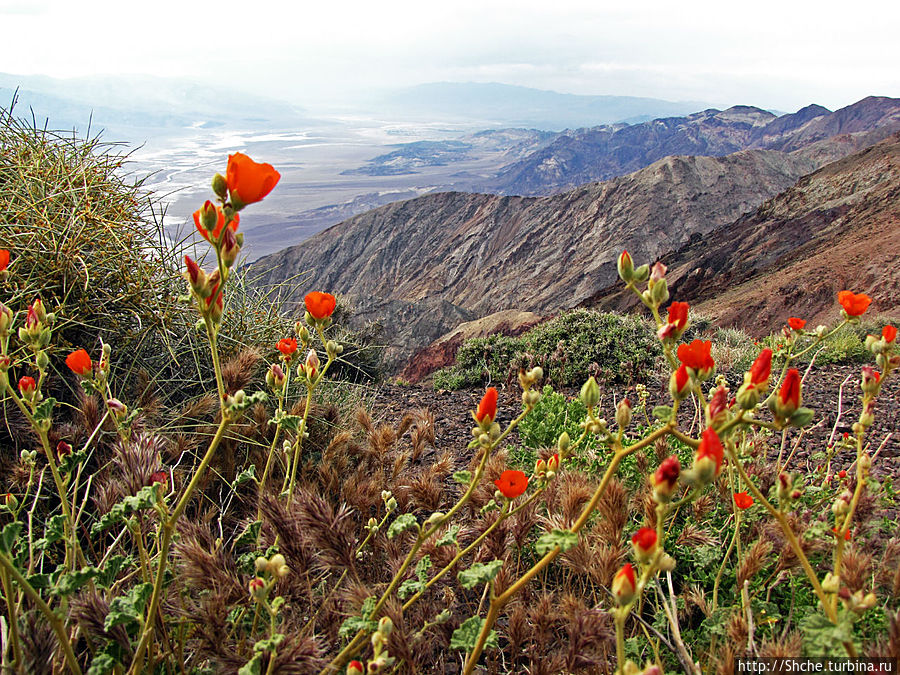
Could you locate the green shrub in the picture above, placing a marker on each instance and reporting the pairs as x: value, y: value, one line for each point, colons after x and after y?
x: 553, y: 415
x: 570, y: 347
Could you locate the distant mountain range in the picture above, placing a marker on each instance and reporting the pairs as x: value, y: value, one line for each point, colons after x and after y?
x: 493, y: 104
x: 425, y: 265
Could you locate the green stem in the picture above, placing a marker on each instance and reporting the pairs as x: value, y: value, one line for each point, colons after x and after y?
x: 13, y: 619
x: 168, y: 528
x: 55, y: 622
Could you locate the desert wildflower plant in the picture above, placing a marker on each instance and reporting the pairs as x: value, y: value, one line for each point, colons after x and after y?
x: 355, y: 547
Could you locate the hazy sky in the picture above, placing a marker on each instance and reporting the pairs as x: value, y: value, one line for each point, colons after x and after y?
x: 777, y: 54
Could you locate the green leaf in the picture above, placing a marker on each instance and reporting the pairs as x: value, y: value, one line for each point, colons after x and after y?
x: 479, y: 573
x: 253, y: 666
x: 422, y: 568
x: 449, y: 537
x: 44, y: 409
x: 8, y: 536
x: 802, y: 417
x: 54, y: 531
x: 102, y: 664
x: 352, y: 624
x: 465, y: 637
x: 128, y: 608
x: 409, y: 588
x: 245, y: 476
x: 662, y: 412
x: 269, y: 644
x: 401, y: 523
x: 562, y: 538
x: 463, y: 477
x: 39, y: 582
x: 249, y: 536
x: 68, y: 463
x: 290, y: 422
x: 145, y: 499
x: 823, y: 638
x: 70, y: 582
x: 111, y: 570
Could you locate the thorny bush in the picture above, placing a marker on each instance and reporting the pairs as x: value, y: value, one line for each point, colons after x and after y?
x: 346, y: 546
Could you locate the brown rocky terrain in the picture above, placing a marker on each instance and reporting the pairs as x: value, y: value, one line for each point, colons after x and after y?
x: 835, y: 229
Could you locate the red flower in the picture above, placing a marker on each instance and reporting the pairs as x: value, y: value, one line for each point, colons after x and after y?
x: 624, y: 584
x: 667, y: 473
x: 678, y: 315
x: 742, y: 500
x: 711, y: 446
x: 838, y: 534
x: 4, y: 259
x: 761, y: 368
x: 789, y: 394
x: 63, y: 449
x: 27, y: 385
x: 287, y: 346
x: 80, y: 363
x: 842, y: 473
x: 854, y: 303
x: 680, y: 382
x: 355, y: 668
x: 796, y: 324
x: 320, y: 305
x: 220, y: 221
x: 159, y: 477
x: 248, y: 180
x: 697, y: 356
x: 512, y: 483
x: 487, y: 408
x: 889, y: 333
x: 644, y: 541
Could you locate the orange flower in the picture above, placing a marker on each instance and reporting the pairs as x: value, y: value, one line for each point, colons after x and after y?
x: 761, y: 368
x: 27, y: 385
x: 79, y: 362
x: 796, y: 324
x: 512, y: 483
x: 889, y: 333
x: 678, y: 314
x: 287, y: 346
x: 666, y: 475
x: 644, y: 541
x: 247, y: 181
x: 789, y: 394
x: 742, y: 500
x: 624, y: 585
x: 838, y: 534
x: 697, y: 357
x: 220, y: 221
x: 4, y: 259
x: 320, y: 305
x: 487, y: 408
x: 711, y: 446
x: 854, y: 303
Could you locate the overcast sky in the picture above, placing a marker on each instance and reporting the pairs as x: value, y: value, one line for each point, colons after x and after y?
x: 780, y: 55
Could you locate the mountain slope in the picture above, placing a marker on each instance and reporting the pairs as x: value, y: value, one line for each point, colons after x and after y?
x: 835, y: 229
x: 599, y: 153
x: 478, y: 254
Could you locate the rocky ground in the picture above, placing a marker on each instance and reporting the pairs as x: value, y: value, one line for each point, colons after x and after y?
x: 822, y: 392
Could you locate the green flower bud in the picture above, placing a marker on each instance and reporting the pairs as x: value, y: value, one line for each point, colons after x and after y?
x: 590, y: 393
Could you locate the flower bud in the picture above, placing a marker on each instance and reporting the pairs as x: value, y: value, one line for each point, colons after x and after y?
x: 870, y: 380
x: 563, y: 444
x: 590, y: 393
x: 624, y: 585
x: 831, y: 583
x: 666, y: 563
x: 625, y: 267
x: 680, y: 383
x: 6, y: 319
x: 623, y: 413
x: 748, y: 396
x: 312, y: 364
x: 355, y: 668
x: 257, y: 588
x: 230, y: 247
x: 261, y: 565
x: 553, y: 463
x: 785, y: 486
x: 385, y: 625
x: 118, y: 409
x: 718, y: 405
x: 220, y: 186
x: 540, y: 468
x: 865, y: 463
x: 645, y: 543
x: 332, y: 349
x: 658, y: 272
x: 27, y: 387
x: 665, y: 479
x: 10, y: 502
x: 642, y: 273
x: 659, y: 294
x: 63, y: 449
